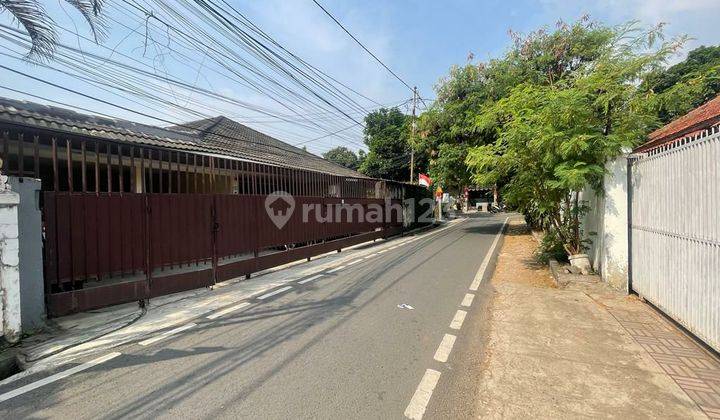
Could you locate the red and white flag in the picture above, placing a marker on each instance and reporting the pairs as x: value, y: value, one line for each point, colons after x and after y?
x: 424, y: 180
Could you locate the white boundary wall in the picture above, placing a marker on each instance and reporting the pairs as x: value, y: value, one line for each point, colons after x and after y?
x: 606, y: 225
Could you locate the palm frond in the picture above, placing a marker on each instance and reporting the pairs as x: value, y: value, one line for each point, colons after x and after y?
x: 37, y: 23
x: 90, y: 9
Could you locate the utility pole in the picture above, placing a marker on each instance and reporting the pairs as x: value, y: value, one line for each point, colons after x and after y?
x: 412, y: 138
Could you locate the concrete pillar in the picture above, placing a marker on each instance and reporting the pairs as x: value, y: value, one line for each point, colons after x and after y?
x: 615, y: 225
x: 32, y: 284
x: 9, y: 263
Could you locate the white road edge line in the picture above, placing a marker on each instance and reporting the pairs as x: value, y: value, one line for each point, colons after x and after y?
x: 166, y: 334
x: 446, y: 346
x: 274, y: 292
x: 56, y: 377
x: 458, y: 320
x: 483, y: 267
x: 421, y: 398
x: 309, y: 279
x: 468, y: 300
x: 226, y: 311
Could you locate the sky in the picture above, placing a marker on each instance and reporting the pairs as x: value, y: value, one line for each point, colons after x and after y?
x: 418, y: 40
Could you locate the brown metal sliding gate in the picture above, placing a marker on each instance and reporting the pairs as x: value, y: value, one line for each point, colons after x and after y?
x: 107, y: 248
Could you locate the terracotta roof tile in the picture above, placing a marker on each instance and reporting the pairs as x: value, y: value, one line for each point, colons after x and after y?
x: 700, y: 118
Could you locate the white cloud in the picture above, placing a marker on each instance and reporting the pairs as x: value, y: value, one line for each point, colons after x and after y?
x: 694, y: 18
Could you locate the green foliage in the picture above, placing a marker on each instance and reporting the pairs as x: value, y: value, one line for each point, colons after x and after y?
x: 344, y: 157
x: 387, y: 135
x: 448, y: 129
x: 40, y: 27
x: 686, y: 85
x: 551, y: 246
x: 573, y: 103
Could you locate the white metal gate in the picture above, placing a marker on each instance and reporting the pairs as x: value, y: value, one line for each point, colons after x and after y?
x: 675, y: 232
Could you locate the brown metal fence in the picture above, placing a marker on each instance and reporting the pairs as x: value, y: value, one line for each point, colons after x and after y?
x: 120, y: 248
x: 126, y: 222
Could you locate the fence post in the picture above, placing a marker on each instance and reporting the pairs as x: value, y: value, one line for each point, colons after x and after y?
x: 630, y: 160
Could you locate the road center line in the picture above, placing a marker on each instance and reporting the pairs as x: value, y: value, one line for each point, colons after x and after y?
x: 353, y: 262
x: 309, y: 279
x: 56, y: 377
x: 226, y: 311
x: 483, y: 267
x: 467, y: 300
x: 166, y: 334
x: 446, y: 345
x: 458, y: 320
x: 275, y: 292
x: 421, y: 398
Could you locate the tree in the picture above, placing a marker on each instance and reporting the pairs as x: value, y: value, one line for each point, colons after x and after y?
x: 447, y: 130
x: 556, y: 130
x: 31, y: 15
x: 686, y: 85
x: 387, y: 133
x: 343, y: 156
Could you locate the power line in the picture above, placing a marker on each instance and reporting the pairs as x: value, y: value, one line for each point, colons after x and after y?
x: 120, y: 78
x: 361, y: 44
x: 172, y: 123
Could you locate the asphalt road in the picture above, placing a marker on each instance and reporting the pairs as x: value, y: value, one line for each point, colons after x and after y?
x: 335, y: 347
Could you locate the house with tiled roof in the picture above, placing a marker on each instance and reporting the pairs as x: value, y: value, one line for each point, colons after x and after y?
x: 700, y: 119
x: 226, y: 134
x: 219, y: 136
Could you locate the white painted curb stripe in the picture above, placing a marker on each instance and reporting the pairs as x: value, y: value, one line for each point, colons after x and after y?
x: 226, y: 311
x: 481, y: 271
x: 458, y: 320
x: 166, y: 334
x: 275, y: 292
x: 421, y: 398
x: 56, y: 377
x: 309, y: 279
x: 446, y: 345
x: 467, y: 300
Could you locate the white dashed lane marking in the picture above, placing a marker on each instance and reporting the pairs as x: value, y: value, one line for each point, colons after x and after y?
x: 275, y: 292
x: 226, y: 311
x: 166, y: 334
x: 483, y: 267
x: 467, y: 300
x: 56, y: 377
x: 458, y: 320
x: 421, y: 398
x: 309, y: 279
x: 446, y: 345
x: 336, y: 269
